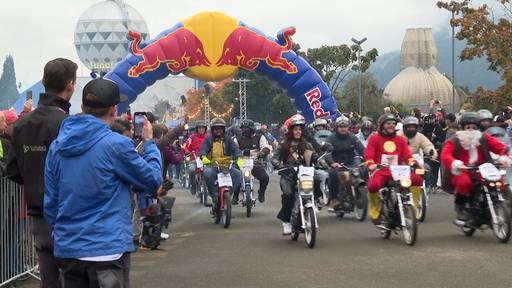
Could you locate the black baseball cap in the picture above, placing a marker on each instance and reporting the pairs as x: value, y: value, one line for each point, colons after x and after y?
x: 100, y: 93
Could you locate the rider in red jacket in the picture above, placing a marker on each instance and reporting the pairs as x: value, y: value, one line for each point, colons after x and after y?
x: 386, y: 148
x: 469, y: 147
x: 192, y: 147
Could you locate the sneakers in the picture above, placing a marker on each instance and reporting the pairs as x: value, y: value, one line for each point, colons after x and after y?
x: 333, y: 204
x: 235, y: 200
x: 261, y: 196
x: 287, y: 229
x: 164, y: 235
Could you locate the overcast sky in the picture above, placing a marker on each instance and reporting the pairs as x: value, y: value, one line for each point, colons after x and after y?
x: 35, y: 31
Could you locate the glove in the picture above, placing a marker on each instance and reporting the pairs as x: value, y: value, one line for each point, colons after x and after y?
x: 205, y: 160
x: 240, y: 162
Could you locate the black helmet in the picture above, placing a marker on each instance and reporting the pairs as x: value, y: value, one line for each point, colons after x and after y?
x: 218, y: 122
x: 411, y: 120
x: 386, y: 118
x: 469, y: 118
x: 248, y: 123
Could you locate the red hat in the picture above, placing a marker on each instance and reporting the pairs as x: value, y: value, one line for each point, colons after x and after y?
x: 10, y: 116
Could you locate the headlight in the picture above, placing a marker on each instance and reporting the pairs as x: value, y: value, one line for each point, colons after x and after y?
x: 405, y: 182
x: 306, y: 185
x: 247, y: 173
x: 499, y: 184
x: 492, y: 184
x: 503, y: 172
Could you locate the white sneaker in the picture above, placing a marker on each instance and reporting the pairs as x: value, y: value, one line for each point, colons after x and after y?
x: 164, y: 235
x: 287, y: 229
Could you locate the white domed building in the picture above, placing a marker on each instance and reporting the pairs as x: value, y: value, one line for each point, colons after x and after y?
x: 419, y: 81
x: 100, y: 34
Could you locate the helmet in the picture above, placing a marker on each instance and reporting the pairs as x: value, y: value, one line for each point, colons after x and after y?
x: 367, y: 124
x: 411, y: 120
x: 247, y: 123
x: 497, y: 132
x: 296, y: 119
x: 386, y: 118
x: 218, y: 122
x: 342, y: 121
x: 257, y: 125
x: 200, y: 123
x: 319, y: 122
x: 469, y: 118
x: 485, y: 114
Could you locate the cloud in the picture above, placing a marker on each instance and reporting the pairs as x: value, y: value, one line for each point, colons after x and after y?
x: 37, y: 31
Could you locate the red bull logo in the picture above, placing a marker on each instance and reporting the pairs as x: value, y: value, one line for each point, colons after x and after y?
x: 313, y: 97
x: 177, y: 50
x: 246, y: 48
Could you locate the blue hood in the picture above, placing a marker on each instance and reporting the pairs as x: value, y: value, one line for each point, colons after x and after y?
x: 79, y: 133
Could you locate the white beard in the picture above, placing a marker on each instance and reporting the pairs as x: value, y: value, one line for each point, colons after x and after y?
x: 470, y: 140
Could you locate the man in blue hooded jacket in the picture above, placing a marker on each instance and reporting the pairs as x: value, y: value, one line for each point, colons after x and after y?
x: 88, y: 175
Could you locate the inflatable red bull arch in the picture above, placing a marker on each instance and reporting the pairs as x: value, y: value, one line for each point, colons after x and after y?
x: 212, y: 46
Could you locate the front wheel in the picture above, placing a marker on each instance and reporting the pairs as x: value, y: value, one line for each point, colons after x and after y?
x: 422, y: 210
x: 361, y: 203
x: 310, y: 227
x: 468, y: 231
x: 248, y: 202
x: 227, y: 209
x: 410, y: 231
x: 502, y: 228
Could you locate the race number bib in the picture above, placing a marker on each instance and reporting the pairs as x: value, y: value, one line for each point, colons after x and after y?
x: 399, y: 172
x: 199, y: 163
x: 224, y: 180
x: 389, y: 160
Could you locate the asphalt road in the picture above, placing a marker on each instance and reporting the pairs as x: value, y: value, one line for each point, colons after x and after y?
x: 253, y: 253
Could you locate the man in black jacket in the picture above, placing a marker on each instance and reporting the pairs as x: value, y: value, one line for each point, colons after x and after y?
x: 32, y: 137
x: 345, y: 147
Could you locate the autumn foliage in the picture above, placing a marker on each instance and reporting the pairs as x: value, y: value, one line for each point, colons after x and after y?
x: 487, y: 33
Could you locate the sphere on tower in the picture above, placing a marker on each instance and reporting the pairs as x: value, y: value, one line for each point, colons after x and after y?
x: 100, y: 34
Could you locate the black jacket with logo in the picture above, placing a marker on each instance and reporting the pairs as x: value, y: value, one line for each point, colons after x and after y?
x: 32, y: 136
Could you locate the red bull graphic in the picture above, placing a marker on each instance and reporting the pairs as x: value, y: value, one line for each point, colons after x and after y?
x: 212, y: 46
x: 246, y: 48
x: 313, y: 97
x: 178, y: 50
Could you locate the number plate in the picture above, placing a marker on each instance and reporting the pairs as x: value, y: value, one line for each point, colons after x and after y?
x: 489, y: 172
x: 224, y: 180
x: 306, y: 171
x: 398, y: 172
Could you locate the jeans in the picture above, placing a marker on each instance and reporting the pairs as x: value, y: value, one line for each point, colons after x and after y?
x: 289, y: 189
x: 177, y: 170
x: 320, y: 179
x: 48, y: 265
x: 192, y: 176
x: 210, y: 177
x: 432, y: 175
x: 76, y: 273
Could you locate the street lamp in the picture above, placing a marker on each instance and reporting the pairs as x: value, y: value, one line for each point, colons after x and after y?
x: 358, y: 43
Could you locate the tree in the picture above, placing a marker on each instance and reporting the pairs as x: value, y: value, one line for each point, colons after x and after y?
x: 336, y: 63
x: 373, y: 102
x: 8, y: 90
x: 486, y: 35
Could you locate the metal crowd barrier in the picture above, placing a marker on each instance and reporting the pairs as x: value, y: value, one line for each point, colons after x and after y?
x: 17, y: 252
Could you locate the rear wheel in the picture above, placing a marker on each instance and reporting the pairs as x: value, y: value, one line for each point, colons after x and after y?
x: 310, y: 227
x: 502, y: 228
x: 361, y: 203
x: 422, y: 210
x: 227, y: 209
x: 410, y: 231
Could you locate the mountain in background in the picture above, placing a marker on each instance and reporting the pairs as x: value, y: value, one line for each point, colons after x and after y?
x: 468, y: 73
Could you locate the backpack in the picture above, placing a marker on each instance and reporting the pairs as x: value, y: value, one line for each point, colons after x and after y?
x: 446, y: 174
